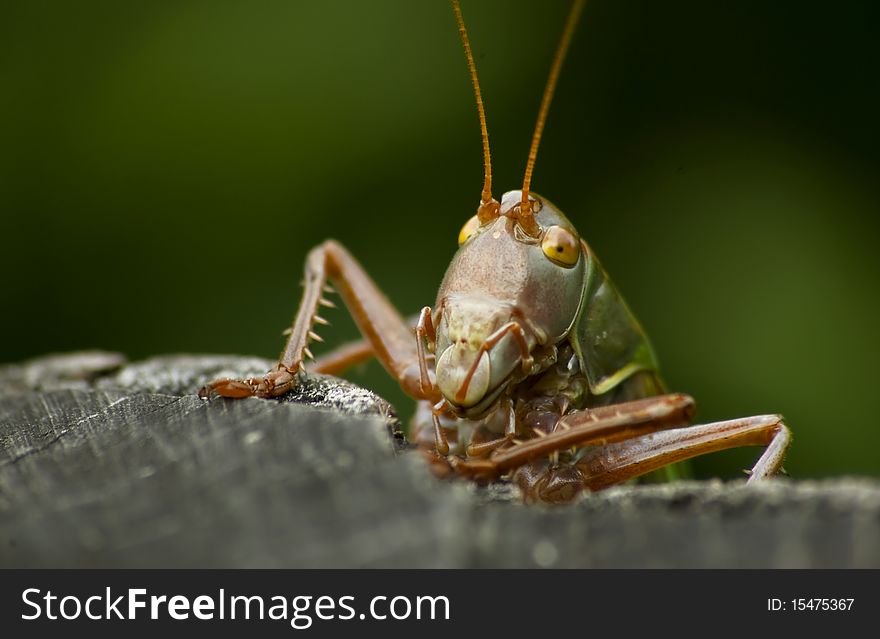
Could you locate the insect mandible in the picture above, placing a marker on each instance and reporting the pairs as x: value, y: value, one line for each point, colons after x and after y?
x: 530, y: 366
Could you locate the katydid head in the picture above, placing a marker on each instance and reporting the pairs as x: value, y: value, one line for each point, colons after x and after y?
x: 515, y: 285
x: 506, y: 295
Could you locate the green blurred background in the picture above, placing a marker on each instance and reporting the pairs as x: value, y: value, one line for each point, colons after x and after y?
x: 165, y: 167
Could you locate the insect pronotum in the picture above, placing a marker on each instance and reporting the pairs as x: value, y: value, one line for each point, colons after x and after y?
x: 530, y: 365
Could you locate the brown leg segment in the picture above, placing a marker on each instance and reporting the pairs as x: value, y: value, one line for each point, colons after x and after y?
x: 614, y: 463
x: 390, y: 338
x: 342, y: 358
x: 630, y: 439
x: 619, y: 462
x: 598, y: 425
x: 425, y: 332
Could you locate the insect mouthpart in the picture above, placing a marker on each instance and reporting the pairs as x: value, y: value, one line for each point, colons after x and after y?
x: 476, y: 361
x: 463, y: 374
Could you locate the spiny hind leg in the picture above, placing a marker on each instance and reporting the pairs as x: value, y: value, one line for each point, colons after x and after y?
x: 613, y: 463
x: 342, y: 358
x: 281, y: 379
x: 619, y: 462
x: 598, y: 425
x: 390, y: 338
x: 629, y: 439
x: 345, y: 356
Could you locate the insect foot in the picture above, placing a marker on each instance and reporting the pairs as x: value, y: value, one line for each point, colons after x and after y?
x: 272, y: 384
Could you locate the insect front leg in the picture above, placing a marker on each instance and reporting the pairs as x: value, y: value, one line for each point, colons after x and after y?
x: 390, y: 338
x: 485, y: 441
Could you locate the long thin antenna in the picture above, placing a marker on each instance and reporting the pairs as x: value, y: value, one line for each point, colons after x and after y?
x: 527, y: 220
x: 488, y: 205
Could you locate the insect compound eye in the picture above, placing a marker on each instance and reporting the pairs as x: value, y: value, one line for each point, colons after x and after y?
x: 560, y: 246
x: 470, y: 227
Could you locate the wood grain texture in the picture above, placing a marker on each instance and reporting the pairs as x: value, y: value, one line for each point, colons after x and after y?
x: 127, y: 467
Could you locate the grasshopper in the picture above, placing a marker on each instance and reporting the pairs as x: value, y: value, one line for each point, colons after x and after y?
x: 530, y: 365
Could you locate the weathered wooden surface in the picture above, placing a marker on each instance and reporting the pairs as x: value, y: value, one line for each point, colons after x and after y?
x: 108, y: 464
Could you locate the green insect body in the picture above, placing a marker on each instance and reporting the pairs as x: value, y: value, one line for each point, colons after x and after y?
x: 530, y: 365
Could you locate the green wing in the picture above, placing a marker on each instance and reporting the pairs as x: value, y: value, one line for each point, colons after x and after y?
x: 607, y: 338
